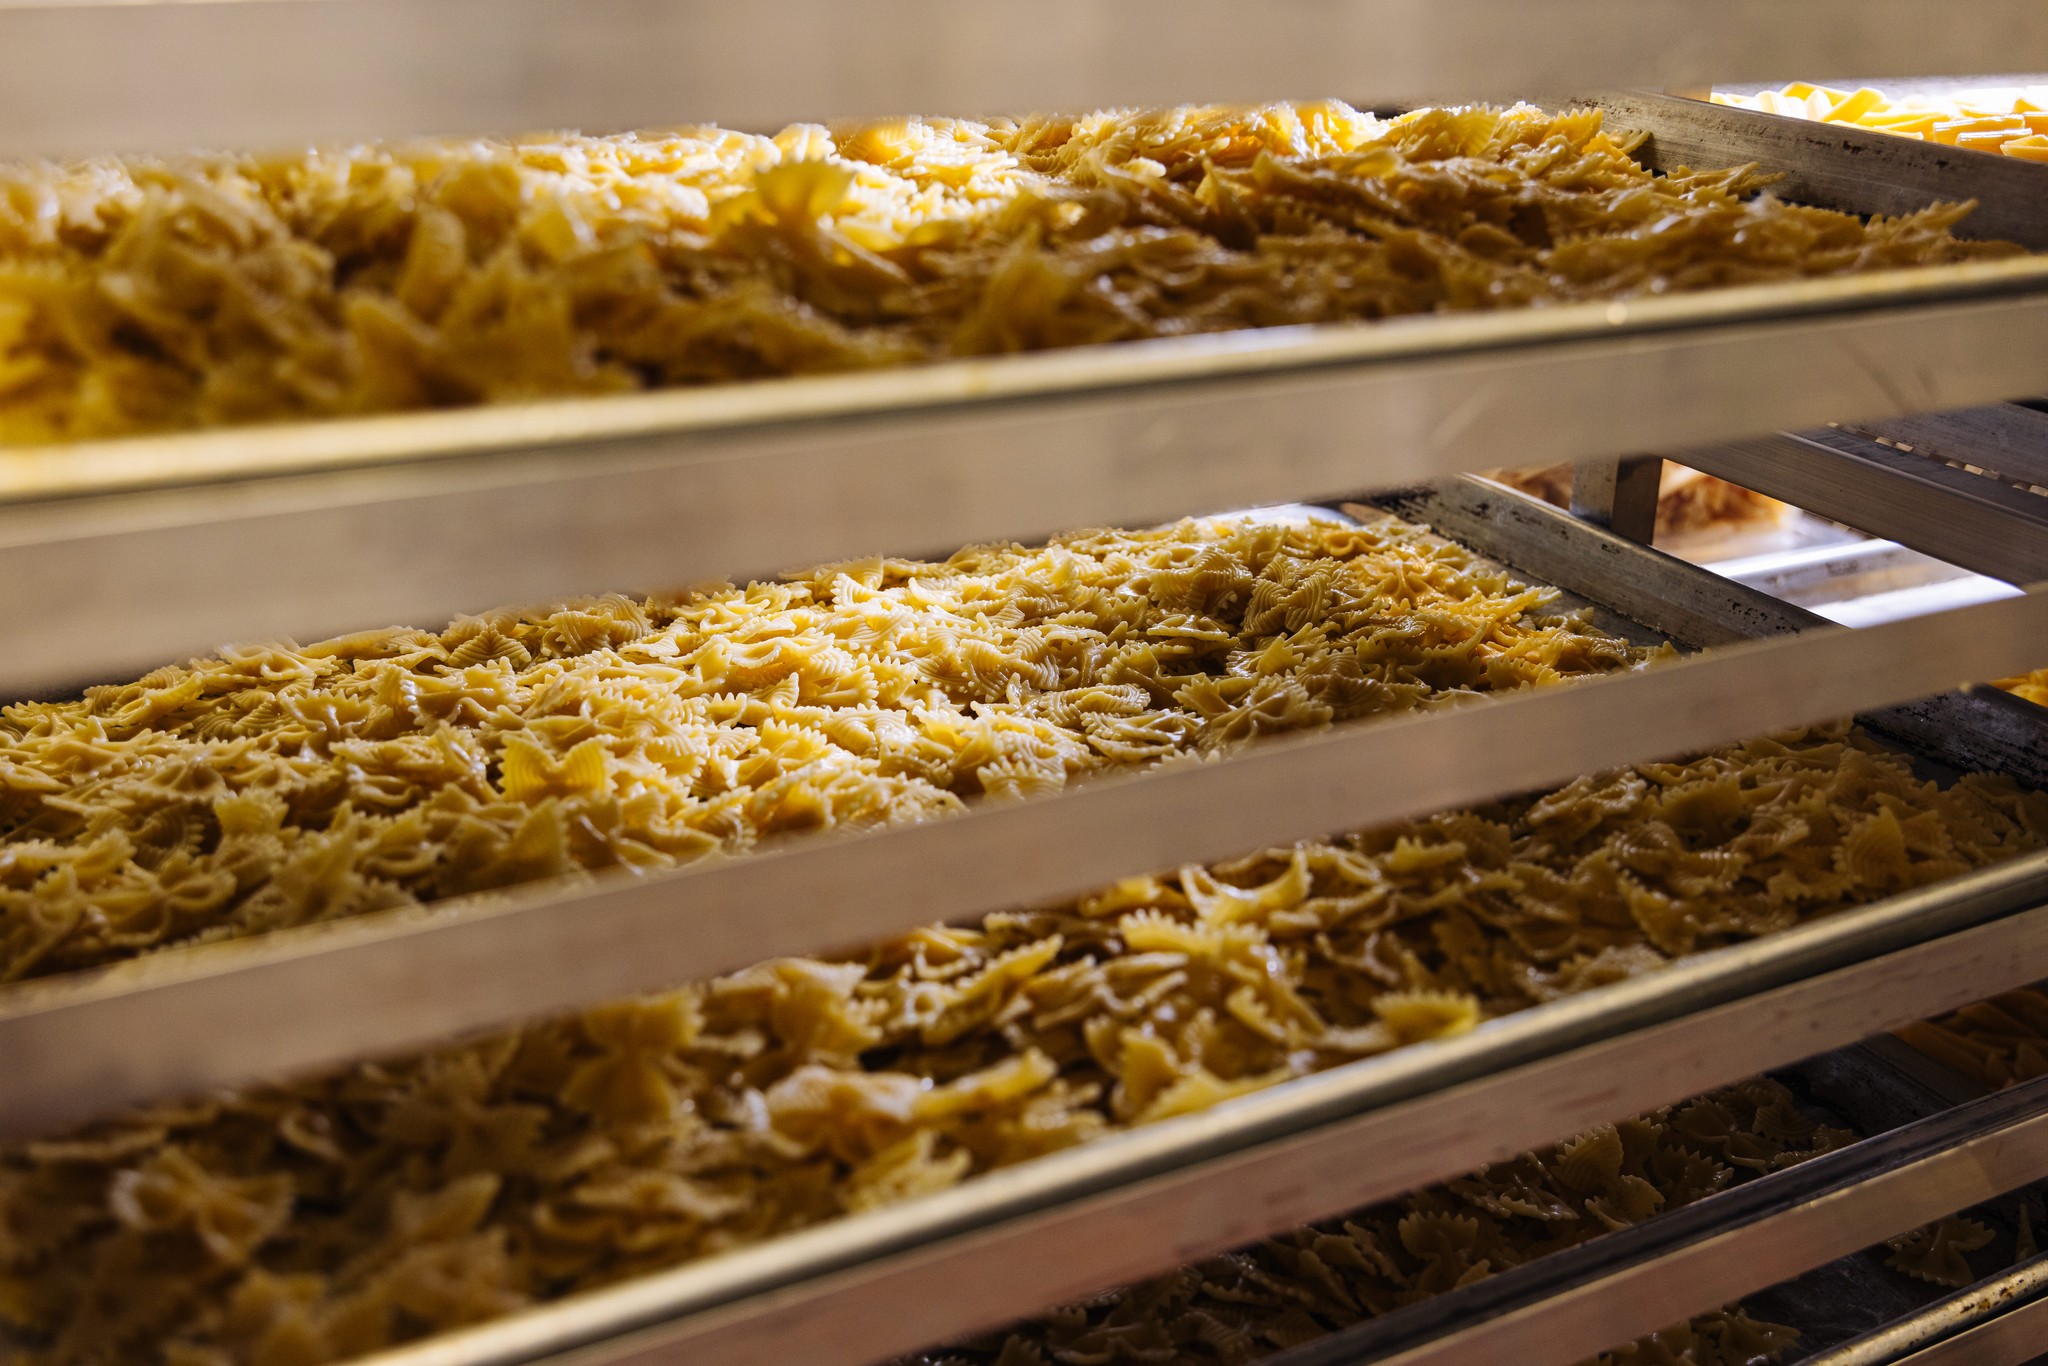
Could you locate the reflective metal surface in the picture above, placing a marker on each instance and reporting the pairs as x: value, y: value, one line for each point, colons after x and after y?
x: 2007, y: 439
x: 1986, y: 1302
x: 1965, y: 519
x: 1565, y: 1307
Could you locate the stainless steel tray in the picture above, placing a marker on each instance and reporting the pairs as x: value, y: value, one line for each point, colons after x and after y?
x: 1136, y: 1203
x: 189, y: 1019
x: 442, y: 512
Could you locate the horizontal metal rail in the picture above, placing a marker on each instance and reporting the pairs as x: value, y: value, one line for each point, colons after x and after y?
x: 1640, y: 1299
x: 2004, y: 439
x: 1947, y: 1324
x: 2016, y: 1338
x: 1565, y: 1307
x: 189, y: 1019
x: 980, y: 1277
x: 1977, y: 523
x: 96, y: 77
x: 466, y: 511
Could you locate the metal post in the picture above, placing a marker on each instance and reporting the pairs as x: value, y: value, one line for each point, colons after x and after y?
x: 1620, y: 495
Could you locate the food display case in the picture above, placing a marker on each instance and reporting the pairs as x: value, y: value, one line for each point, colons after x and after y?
x: 1890, y: 408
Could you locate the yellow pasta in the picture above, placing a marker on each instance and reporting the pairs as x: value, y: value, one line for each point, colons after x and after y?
x: 333, y: 1216
x: 147, y: 295
x: 2033, y: 687
x: 2014, y: 122
x: 275, y: 785
x: 1317, y: 1280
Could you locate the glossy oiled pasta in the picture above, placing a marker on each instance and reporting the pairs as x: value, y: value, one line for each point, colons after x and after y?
x: 327, y: 1218
x: 143, y: 295
x: 275, y: 786
x: 1317, y: 1280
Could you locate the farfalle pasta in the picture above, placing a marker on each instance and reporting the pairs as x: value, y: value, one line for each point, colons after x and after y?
x: 2031, y: 687
x: 145, y: 295
x: 337, y: 1215
x: 1939, y: 1252
x: 1996, y: 1043
x: 274, y: 786
x: 1304, y: 1285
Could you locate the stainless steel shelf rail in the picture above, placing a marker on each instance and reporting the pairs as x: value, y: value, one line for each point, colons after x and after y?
x: 1571, y: 1305
x: 97, y: 77
x: 1966, y: 519
x: 2000, y: 1321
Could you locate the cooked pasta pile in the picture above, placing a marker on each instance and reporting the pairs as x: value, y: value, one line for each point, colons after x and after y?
x: 2033, y: 687
x: 275, y: 786
x: 1317, y: 1280
x: 330, y: 1217
x: 146, y: 295
x: 1996, y: 1043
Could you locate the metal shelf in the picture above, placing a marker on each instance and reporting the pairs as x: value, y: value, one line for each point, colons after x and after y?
x: 100, y: 77
x: 444, y: 512
x: 186, y: 1020
x: 1969, y: 520
x: 1571, y: 1305
x: 868, y: 1286
x: 441, y: 513
x: 168, y: 569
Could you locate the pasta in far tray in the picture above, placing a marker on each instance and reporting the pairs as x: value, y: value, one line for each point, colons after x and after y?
x: 333, y: 1216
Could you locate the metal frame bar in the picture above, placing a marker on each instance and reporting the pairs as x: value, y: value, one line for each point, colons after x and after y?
x: 169, y: 571
x: 1620, y: 495
x: 2014, y: 1338
x: 1643, y: 1298
x: 169, y: 76
x: 1977, y: 523
x: 2004, y: 439
x: 1563, y: 1308
x: 788, y: 1302
x: 188, y: 1019
x: 1988, y: 1302
x: 1836, y: 166
x: 1983, y: 728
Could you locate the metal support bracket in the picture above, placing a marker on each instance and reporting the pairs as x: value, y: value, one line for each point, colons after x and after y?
x: 1620, y: 495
